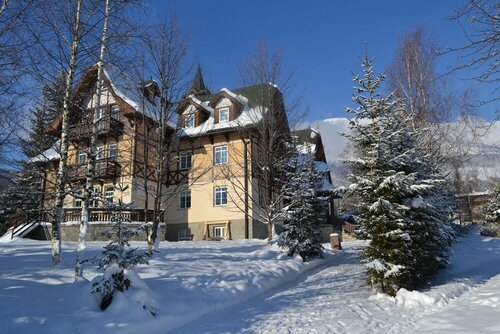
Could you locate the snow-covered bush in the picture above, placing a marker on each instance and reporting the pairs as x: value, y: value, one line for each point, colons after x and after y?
x: 119, y: 258
x: 402, y: 202
x: 491, y: 224
x: 302, y: 195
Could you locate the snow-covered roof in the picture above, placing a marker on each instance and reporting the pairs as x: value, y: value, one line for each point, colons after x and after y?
x: 240, y: 98
x: 248, y: 116
x: 49, y: 155
x: 130, y: 91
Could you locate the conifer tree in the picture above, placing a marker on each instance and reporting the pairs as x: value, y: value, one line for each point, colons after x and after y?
x: 402, y: 202
x: 492, y: 214
x: 119, y: 258
x: 303, y: 210
x: 25, y: 191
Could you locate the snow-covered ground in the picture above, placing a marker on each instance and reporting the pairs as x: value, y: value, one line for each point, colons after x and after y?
x: 188, y: 280
x: 243, y: 286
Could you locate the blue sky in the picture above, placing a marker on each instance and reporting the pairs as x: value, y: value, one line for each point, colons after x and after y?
x: 322, y: 40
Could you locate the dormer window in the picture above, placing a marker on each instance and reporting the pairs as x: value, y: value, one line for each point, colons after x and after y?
x: 189, y: 121
x: 223, y: 115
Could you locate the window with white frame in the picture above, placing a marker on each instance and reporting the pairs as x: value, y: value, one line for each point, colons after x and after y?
x: 185, y: 160
x: 77, y: 199
x: 99, y: 152
x: 94, y: 198
x: 109, y: 194
x: 219, y: 232
x: 82, y: 157
x: 112, y: 151
x: 184, y: 234
x: 189, y: 120
x: 220, y: 196
x: 223, y: 115
x: 220, y: 155
x: 115, y: 112
x: 185, y: 199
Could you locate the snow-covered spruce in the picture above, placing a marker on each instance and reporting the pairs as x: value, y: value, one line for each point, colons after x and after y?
x: 119, y: 260
x: 303, y: 210
x: 403, y: 203
x: 491, y: 210
x: 24, y: 193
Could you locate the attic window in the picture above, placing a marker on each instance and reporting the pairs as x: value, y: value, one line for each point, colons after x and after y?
x: 189, y: 121
x: 223, y: 115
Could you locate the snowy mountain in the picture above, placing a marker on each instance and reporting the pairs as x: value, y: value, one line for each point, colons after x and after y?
x: 477, y: 143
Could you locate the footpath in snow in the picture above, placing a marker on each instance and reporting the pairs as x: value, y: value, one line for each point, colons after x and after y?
x: 464, y: 298
x: 248, y: 287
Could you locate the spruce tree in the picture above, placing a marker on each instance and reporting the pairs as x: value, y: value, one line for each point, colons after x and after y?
x: 402, y: 201
x: 25, y: 191
x: 491, y: 210
x: 119, y: 258
x: 302, y: 195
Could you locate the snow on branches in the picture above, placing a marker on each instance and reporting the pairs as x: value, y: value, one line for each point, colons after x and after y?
x: 119, y: 260
x: 304, y: 204
x: 403, y: 203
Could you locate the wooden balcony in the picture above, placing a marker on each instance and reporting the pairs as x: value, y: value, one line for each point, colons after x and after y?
x: 105, y: 215
x: 106, y: 126
x: 104, y: 169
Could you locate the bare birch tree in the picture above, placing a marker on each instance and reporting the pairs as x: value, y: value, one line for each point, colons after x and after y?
x: 426, y: 95
x: 91, y: 158
x: 267, y: 142
x: 480, y: 23
x: 166, y: 48
x: 63, y: 163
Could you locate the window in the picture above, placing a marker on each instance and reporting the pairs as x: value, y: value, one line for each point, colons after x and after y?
x: 115, y: 112
x: 219, y: 231
x: 77, y: 199
x: 220, y: 155
x: 184, y: 234
x: 189, y: 121
x: 185, y: 160
x: 82, y: 157
x: 185, y: 199
x: 112, y: 151
x: 99, y: 152
x: 108, y: 194
x: 223, y: 115
x: 94, y: 198
x: 220, y: 196
x: 100, y: 113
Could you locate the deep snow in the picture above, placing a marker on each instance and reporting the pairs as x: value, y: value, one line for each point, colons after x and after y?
x: 244, y: 286
x: 187, y: 280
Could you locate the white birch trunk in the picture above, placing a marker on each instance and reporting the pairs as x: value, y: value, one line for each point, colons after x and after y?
x: 63, y: 163
x: 91, y: 158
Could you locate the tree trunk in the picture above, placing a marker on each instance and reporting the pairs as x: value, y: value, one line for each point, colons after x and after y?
x: 91, y: 158
x: 63, y: 167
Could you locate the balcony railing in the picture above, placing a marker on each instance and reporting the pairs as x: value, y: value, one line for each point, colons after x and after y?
x: 75, y: 214
x: 107, y: 126
x: 104, y: 169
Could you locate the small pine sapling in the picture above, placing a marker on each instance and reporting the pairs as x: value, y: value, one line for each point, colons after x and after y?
x: 119, y: 258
